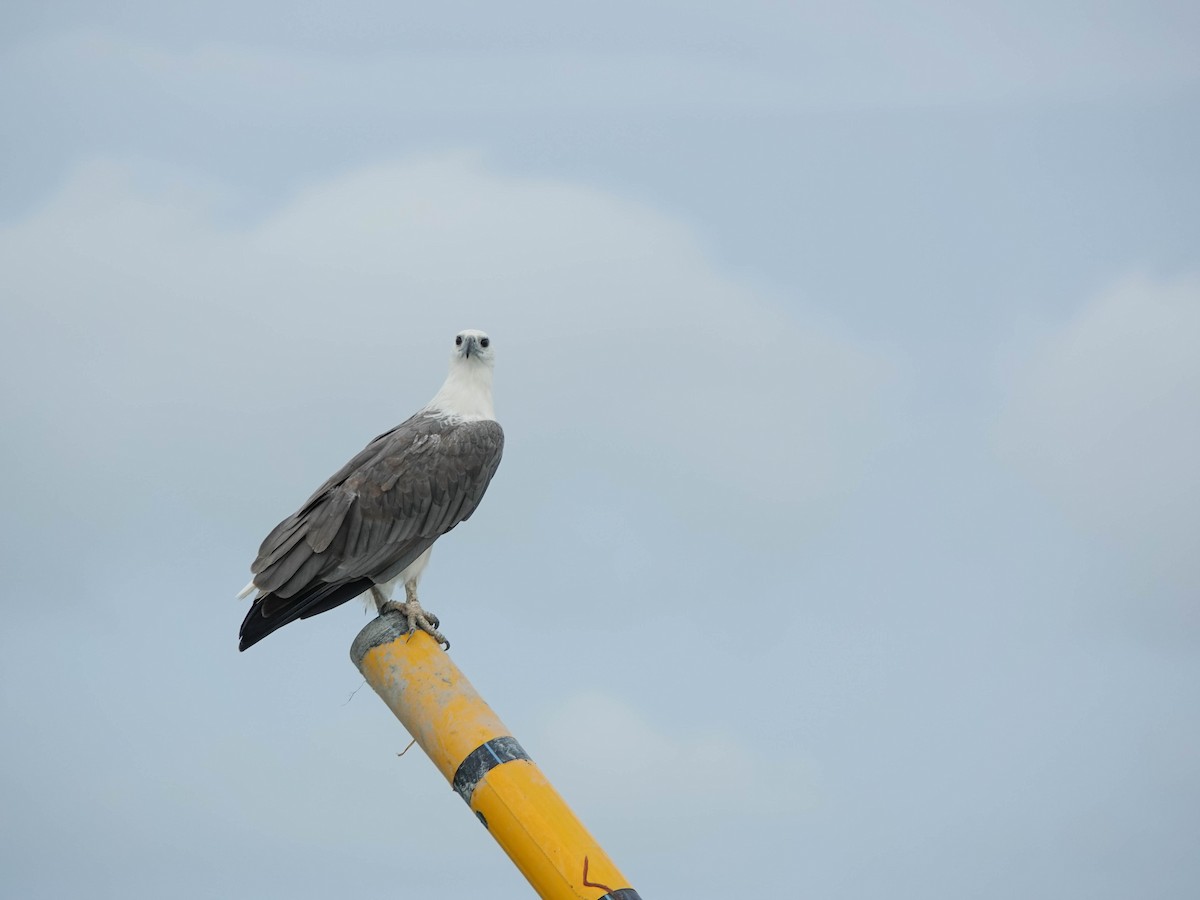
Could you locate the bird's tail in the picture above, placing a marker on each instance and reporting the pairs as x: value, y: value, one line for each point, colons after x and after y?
x: 270, y: 612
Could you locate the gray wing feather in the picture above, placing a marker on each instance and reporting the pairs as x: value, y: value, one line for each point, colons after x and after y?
x: 322, y: 532
x: 285, y: 543
x: 384, y: 508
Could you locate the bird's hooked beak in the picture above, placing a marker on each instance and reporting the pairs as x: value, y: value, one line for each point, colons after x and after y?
x: 468, y: 346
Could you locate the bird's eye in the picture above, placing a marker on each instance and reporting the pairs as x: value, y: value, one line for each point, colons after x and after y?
x: 483, y: 342
x: 458, y: 341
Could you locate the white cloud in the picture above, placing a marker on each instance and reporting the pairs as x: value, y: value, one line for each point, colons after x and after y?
x: 617, y: 337
x: 1105, y: 418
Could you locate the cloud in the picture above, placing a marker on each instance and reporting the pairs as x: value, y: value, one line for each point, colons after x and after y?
x: 1102, y: 417
x: 617, y: 336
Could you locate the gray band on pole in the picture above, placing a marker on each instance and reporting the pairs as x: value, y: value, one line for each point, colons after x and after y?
x: 379, y: 631
x: 482, y: 760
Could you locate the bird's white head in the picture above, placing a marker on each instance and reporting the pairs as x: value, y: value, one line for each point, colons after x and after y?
x: 467, y: 393
x: 473, y: 346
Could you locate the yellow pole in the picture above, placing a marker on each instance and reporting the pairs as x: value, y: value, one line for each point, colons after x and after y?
x: 485, y: 764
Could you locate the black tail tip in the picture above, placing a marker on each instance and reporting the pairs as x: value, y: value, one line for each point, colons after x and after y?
x: 255, y: 627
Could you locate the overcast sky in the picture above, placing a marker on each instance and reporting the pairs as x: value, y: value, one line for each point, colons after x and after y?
x: 847, y: 539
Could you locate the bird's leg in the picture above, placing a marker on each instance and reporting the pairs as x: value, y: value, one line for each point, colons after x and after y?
x: 416, y: 615
x: 410, y: 592
x: 379, y: 598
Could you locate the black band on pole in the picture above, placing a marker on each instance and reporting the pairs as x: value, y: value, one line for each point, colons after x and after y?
x: 622, y: 894
x: 482, y: 760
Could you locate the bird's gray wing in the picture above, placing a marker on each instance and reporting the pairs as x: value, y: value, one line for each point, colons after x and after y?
x: 374, y: 517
